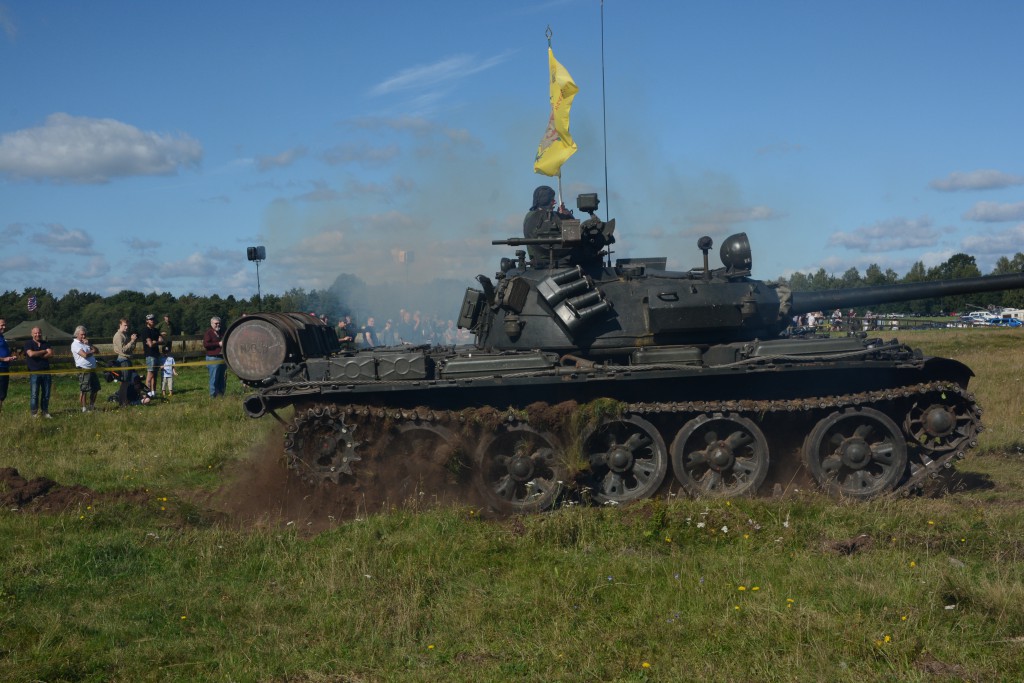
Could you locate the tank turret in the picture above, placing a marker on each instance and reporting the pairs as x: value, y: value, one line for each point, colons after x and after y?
x: 580, y: 302
x: 593, y: 379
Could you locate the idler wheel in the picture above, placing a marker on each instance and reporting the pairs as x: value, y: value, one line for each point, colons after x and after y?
x: 520, y: 469
x: 627, y: 458
x: 720, y: 457
x: 941, y: 427
x: 858, y: 452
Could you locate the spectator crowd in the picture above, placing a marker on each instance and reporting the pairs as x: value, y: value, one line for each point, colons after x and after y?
x: 131, y: 389
x: 408, y: 328
x: 138, y: 359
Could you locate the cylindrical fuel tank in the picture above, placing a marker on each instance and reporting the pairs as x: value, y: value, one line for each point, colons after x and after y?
x: 256, y: 346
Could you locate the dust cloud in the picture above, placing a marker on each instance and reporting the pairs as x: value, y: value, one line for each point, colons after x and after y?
x: 412, y: 474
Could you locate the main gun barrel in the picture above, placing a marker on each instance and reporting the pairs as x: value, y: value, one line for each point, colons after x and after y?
x: 805, y: 302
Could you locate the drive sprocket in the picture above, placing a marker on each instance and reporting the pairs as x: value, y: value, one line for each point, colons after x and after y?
x: 320, y: 445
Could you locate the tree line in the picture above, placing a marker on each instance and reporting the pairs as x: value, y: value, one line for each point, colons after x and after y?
x: 955, y: 267
x: 190, y: 314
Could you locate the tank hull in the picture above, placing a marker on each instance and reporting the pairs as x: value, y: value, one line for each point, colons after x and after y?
x: 757, y: 406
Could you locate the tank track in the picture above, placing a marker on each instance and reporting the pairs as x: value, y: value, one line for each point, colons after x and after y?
x: 322, y: 441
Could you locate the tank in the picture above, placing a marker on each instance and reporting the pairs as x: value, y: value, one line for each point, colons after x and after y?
x: 604, y: 382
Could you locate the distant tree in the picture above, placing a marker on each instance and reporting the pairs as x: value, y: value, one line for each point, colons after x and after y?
x: 851, y: 278
x: 875, y: 277
x: 821, y: 280
x: 100, y: 318
x: 799, y: 282
x: 1004, y: 266
x: 9, y: 301
x: 916, y: 273
x: 955, y: 267
x: 70, y: 306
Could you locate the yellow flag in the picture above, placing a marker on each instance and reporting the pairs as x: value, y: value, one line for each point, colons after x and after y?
x: 556, y: 146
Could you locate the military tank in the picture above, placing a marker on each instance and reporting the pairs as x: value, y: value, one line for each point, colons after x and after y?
x: 594, y: 379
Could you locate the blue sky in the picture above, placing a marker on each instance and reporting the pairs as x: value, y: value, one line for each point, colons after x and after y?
x: 144, y: 146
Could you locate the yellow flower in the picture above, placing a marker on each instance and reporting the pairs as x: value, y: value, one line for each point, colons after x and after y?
x: 756, y: 588
x: 888, y: 638
x: 430, y: 647
x: 668, y: 539
x: 903, y: 618
x: 930, y: 522
x: 913, y: 564
x: 741, y: 588
x: 184, y: 617
x: 646, y: 665
x: 736, y: 607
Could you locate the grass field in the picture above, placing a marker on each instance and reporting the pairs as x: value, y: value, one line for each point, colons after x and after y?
x: 156, y: 574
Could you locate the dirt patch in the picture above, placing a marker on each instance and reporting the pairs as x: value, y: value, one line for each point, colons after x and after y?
x: 928, y: 664
x: 45, y: 495
x: 849, y: 546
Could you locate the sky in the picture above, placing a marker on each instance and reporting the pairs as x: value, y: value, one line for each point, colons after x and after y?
x: 144, y: 146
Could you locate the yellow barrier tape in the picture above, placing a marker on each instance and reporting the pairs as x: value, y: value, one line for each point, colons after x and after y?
x: 117, y: 368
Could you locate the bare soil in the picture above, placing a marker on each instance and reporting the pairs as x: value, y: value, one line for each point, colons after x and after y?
x: 45, y: 495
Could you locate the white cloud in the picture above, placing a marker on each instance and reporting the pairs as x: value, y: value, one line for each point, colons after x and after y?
x: 888, y: 235
x: 284, y: 159
x: 91, y: 151
x: 321, y: 192
x: 11, y: 231
x: 993, y: 212
x: 996, y: 243
x: 364, y: 154
x: 443, y: 72
x: 742, y: 214
x: 193, y: 265
x: 22, y: 263
x: 7, y: 24
x: 142, y: 245
x: 97, y: 267
x: 59, y: 238
x: 986, y: 179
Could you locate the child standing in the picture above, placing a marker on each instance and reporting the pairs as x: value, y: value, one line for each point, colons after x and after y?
x: 167, y: 386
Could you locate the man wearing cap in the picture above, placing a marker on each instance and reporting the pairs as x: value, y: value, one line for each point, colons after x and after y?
x: 151, y: 341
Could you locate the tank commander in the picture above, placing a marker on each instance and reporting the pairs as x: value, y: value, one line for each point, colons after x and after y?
x: 544, y: 220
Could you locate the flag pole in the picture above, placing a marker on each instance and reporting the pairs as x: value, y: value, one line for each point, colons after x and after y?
x: 547, y: 34
x: 604, y: 122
